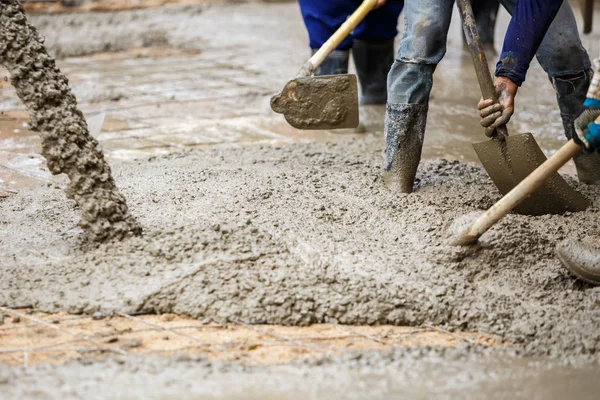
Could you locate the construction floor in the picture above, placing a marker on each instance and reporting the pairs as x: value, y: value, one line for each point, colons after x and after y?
x: 275, y: 263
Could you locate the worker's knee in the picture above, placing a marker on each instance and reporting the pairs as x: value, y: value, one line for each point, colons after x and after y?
x: 424, y: 40
x: 571, y: 89
x: 410, y: 82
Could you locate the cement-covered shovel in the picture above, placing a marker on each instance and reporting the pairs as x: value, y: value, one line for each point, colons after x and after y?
x: 323, y: 102
x: 518, y: 194
x: 510, y: 159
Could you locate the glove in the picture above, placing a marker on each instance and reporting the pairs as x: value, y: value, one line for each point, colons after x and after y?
x: 587, y: 126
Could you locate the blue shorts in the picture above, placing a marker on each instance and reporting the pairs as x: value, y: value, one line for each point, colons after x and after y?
x: 323, y: 17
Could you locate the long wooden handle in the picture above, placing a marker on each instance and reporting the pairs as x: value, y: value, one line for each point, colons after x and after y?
x: 333, y: 42
x: 482, y: 70
x: 519, y: 193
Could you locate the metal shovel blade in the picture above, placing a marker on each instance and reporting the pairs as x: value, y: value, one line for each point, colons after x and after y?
x: 319, y: 102
x: 510, y: 161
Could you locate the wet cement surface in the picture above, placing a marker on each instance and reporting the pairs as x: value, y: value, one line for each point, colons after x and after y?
x: 67, y: 144
x: 196, y: 87
x: 400, y: 374
x: 294, y: 234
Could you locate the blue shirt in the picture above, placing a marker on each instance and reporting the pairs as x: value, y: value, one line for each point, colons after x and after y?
x: 528, y: 26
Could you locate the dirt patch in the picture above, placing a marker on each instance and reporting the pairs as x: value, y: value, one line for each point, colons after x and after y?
x: 305, y: 234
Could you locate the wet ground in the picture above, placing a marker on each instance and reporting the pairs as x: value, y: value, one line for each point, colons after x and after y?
x: 163, y: 86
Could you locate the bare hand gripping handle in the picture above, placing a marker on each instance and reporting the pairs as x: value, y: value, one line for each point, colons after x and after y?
x: 486, y: 84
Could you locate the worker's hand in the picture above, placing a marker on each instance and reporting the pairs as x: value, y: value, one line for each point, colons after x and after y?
x: 587, y: 127
x: 380, y: 3
x: 496, y: 114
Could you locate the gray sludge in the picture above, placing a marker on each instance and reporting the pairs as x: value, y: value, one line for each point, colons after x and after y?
x: 66, y: 143
x: 308, y: 233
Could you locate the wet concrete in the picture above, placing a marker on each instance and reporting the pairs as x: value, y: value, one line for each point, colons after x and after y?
x: 319, y: 102
x: 307, y: 233
x: 294, y: 231
x: 414, y: 374
x: 67, y: 145
x: 222, y: 90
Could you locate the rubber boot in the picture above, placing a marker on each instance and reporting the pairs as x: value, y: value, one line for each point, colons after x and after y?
x: 486, y: 13
x: 404, y: 134
x: 581, y: 258
x: 571, y: 92
x: 336, y: 63
x: 373, y: 60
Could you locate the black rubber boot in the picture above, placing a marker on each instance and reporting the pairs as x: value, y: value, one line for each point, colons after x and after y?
x: 404, y: 134
x: 373, y: 61
x: 486, y: 13
x: 336, y: 63
x: 581, y: 258
x: 571, y: 93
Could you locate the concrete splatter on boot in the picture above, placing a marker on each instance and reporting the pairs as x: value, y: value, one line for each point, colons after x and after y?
x: 571, y: 95
x: 404, y: 134
x: 582, y: 258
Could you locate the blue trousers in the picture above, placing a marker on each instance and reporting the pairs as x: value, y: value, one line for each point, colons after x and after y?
x: 323, y: 17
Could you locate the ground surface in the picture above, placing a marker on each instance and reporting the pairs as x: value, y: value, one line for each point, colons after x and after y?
x: 249, y: 221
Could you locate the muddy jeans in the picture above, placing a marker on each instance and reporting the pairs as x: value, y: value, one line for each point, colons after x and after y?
x: 423, y: 46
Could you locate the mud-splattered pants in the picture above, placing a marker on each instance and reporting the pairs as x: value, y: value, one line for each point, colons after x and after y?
x: 423, y: 46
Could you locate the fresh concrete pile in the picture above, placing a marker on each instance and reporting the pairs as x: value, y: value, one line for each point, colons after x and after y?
x: 66, y: 142
x: 306, y: 233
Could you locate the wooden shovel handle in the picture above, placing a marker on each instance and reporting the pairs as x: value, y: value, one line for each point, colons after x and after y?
x: 519, y: 193
x: 486, y: 84
x: 333, y: 42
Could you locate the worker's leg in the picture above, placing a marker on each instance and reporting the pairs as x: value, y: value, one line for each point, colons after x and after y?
x: 410, y: 80
x: 567, y: 64
x: 322, y: 19
x: 485, y: 12
x: 373, y: 51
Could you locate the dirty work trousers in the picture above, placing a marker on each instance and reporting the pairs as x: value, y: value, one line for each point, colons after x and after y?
x: 323, y: 17
x: 423, y: 46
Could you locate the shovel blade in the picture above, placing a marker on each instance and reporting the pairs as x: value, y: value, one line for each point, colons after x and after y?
x: 510, y: 161
x: 319, y: 102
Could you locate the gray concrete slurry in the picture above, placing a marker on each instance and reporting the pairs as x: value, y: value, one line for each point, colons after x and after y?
x: 67, y: 145
x: 307, y: 233
x: 408, y: 374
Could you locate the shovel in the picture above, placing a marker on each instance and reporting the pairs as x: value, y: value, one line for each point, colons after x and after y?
x: 510, y: 159
x: 519, y: 193
x: 323, y: 102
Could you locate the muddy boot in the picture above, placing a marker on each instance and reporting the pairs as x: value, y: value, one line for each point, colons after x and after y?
x: 373, y: 60
x: 404, y: 134
x: 582, y: 258
x: 571, y: 92
x: 336, y: 63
